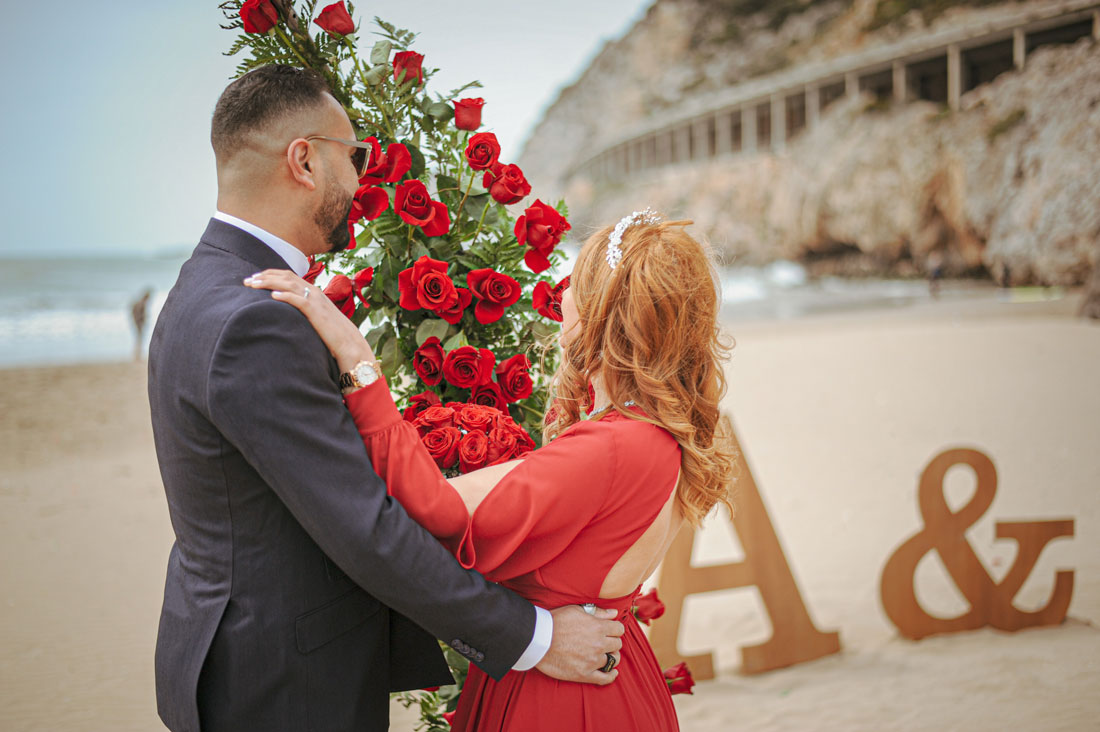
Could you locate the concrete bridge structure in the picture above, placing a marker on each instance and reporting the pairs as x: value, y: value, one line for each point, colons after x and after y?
x: 765, y: 112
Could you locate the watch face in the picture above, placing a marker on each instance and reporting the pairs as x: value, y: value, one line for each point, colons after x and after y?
x: 365, y: 374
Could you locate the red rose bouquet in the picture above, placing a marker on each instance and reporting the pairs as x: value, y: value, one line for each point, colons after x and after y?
x: 447, y: 272
x: 463, y: 437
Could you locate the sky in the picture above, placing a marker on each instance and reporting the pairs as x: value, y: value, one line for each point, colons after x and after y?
x: 107, y: 112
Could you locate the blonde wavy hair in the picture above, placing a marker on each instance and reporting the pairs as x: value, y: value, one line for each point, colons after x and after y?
x: 649, y: 331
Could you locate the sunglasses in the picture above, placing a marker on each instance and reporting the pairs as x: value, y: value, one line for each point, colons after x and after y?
x: 359, y: 157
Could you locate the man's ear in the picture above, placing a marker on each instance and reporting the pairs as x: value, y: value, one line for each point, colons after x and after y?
x: 301, y: 159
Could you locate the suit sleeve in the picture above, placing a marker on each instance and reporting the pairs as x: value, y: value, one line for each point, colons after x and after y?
x: 271, y: 394
x: 528, y: 518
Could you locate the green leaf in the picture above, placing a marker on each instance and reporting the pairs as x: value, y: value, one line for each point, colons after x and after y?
x: 432, y: 327
x: 390, y: 357
x: 376, y: 74
x: 419, y: 250
x: 380, y: 52
x: 445, y: 181
x: 374, y: 335
x: 456, y: 341
x: 475, y: 204
x: 387, y: 273
x: 417, y: 168
x: 441, y: 111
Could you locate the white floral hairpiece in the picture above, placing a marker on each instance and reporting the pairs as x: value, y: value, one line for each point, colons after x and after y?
x: 614, y: 253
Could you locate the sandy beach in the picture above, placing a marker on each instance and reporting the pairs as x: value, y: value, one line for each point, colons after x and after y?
x: 837, y: 415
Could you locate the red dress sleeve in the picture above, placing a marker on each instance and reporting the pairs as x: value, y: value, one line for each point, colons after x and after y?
x: 542, y: 504
x: 402, y: 461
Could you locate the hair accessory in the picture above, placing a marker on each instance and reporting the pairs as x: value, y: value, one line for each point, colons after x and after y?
x: 614, y: 253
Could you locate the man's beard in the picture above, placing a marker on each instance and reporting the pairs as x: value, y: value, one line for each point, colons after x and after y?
x: 332, y: 218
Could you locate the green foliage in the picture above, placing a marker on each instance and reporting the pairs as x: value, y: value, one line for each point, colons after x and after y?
x: 481, y: 230
x: 1007, y: 123
x: 890, y: 11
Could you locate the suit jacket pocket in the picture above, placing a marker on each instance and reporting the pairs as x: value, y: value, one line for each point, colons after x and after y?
x: 330, y: 621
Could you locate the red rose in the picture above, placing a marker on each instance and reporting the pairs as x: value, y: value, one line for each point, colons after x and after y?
x: 466, y: 367
x: 454, y: 314
x: 434, y: 418
x: 258, y: 16
x: 315, y: 268
x: 415, y: 207
x: 361, y: 279
x: 426, y: 285
x: 335, y: 21
x: 502, y: 445
x: 475, y: 416
x: 524, y: 443
x: 679, y: 679
x: 449, y: 717
x: 387, y: 167
x: 442, y: 445
x: 547, y: 300
x: 489, y: 395
x: 506, y: 183
x: 482, y: 151
x: 495, y: 291
x: 428, y: 362
x: 473, y: 450
x: 369, y: 203
x: 468, y: 113
x: 342, y: 294
x: 418, y: 403
x: 409, y: 62
x: 352, y: 241
x: 648, y: 607
x: 540, y: 228
x: 514, y: 379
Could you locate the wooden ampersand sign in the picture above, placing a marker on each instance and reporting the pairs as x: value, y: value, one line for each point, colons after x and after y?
x: 990, y: 602
x: 794, y: 637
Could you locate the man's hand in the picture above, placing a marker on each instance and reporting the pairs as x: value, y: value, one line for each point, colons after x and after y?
x: 580, y: 644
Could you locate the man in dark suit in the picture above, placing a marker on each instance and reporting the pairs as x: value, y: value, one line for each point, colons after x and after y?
x: 296, y: 590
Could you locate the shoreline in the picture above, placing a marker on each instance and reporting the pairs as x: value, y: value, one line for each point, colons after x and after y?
x: 837, y: 414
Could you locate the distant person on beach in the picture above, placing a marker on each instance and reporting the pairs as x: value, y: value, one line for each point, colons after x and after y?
x: 934, y: 265
x: 138, y: 311
x: 299, y: 594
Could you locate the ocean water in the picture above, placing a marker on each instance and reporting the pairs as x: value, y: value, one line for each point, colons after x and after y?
x: 64, y: 310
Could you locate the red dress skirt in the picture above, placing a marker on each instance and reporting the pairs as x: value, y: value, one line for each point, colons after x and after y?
x: 551, y: 530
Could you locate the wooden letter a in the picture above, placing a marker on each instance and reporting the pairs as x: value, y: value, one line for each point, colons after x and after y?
x: 794, y: 637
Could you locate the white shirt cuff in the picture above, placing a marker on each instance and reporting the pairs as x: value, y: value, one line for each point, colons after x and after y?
x: 540, y: 643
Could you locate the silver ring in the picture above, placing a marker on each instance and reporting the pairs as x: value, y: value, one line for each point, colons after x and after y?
x: 306, y: 293
x: 589, y: 607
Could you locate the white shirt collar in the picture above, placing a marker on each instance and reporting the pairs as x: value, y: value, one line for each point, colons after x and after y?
x: 290, y: 254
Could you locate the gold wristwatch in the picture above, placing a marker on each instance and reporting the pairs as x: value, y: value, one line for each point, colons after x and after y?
x: 361, y: 374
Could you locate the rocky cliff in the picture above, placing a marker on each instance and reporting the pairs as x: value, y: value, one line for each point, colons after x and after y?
x: 1008, y: 186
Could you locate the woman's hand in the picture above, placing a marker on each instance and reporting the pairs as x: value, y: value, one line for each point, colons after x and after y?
x: 341, y: 336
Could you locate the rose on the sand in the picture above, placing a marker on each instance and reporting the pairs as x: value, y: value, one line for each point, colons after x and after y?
x: 679, y: 679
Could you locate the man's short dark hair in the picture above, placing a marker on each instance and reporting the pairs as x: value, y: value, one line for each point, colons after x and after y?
x: 262, y: 95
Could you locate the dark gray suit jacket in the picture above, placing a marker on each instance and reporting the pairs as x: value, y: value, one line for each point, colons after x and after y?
x: 293, y: 575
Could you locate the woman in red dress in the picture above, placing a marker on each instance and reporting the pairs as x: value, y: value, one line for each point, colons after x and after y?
x: 588, y: 517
